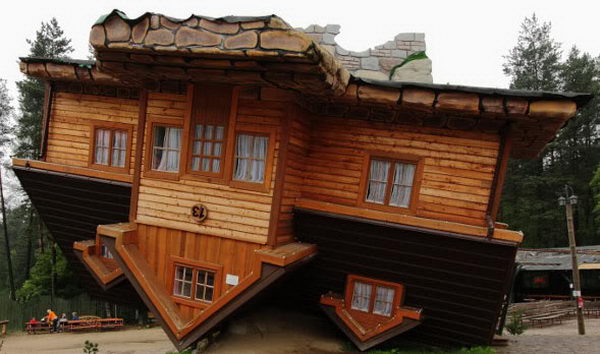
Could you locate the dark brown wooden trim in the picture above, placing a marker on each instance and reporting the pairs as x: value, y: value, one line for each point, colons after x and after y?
x: 284, y: 139
x: 407, y: 227
x: 500, y: 173
x: 47, y: 110
x: 139, y: 150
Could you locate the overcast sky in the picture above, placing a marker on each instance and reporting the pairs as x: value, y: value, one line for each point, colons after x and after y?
x: 466, y: 40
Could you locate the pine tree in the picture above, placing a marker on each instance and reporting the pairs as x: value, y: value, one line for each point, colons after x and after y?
x: 50, y: 42
x: 530, y: 192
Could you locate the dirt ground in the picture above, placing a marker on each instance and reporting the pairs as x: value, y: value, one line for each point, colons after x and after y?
x: 560, y: 339
x: 276, y: 332
x: 269, y: 331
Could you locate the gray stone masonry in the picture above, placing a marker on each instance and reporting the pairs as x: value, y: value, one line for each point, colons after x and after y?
x: 377, y: 62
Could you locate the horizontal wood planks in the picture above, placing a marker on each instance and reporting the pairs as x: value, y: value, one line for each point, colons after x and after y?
x: 457, y: 173
x: 159, y: 244
x: 70, y: 125
x: 235, y: 213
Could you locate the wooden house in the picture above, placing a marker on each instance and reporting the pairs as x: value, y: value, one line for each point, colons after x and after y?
x: 197, y: 161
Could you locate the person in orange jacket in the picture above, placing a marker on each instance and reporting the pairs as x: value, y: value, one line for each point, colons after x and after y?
x: 52, y: 320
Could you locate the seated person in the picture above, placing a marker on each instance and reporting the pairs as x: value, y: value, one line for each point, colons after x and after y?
x: 33, y: 321
x: 74, y: 316
x: 62, y: 321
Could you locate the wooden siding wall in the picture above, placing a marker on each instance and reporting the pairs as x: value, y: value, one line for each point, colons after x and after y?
x: 298, y: 145
x: 458, y: 166
x: 158, y: 244
x: 70, y: 125
x: 233, y: 212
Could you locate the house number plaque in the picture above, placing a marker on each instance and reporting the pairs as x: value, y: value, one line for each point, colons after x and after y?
x: 199, y: 212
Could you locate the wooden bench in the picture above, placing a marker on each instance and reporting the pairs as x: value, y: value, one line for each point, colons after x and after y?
x: 110, y: 323
x: 38, y: 327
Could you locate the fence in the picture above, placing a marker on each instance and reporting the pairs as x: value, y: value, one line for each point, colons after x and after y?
x: 18, y: 313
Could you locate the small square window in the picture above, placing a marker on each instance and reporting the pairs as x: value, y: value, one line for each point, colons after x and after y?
x: 183, y: 281
x: 207, y: 148
x: 106, y: 252
x: 166, y: 148
x: 205, y: 285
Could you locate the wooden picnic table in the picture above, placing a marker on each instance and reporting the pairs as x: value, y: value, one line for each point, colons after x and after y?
x: 37, y: 327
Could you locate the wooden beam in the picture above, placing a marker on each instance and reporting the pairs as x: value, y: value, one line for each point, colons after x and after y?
x: 72, y: 170
x: 139, y: 150
x: 284, y: 138
x: 48, y: 93
x: 500, y: 173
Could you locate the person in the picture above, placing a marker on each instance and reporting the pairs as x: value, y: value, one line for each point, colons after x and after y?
x: 31, y: 324
x: 74, y: 316
x: 52, y: 320
x: 33, y: 321
x: 62, y: 322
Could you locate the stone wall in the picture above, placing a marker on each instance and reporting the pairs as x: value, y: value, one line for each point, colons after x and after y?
x: 377, y: 62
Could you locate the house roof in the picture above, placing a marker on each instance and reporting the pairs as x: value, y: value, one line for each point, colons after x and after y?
x: 588, y: 258
x: 266, y: 51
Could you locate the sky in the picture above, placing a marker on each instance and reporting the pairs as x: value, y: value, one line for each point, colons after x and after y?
x: 466, y: 40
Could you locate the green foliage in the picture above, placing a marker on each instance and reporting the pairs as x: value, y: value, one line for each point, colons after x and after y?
x: 49, y: 42
x: 515, y: 325
x: 6, y: 111
x: 532, y: 186
x: 89, y: 347
x: 40, y: 279
x: 595, y: 185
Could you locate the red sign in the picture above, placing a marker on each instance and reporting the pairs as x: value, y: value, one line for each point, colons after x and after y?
x: 580, y: 302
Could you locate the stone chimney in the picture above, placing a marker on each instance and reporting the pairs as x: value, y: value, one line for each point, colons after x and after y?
x: 403, y: 55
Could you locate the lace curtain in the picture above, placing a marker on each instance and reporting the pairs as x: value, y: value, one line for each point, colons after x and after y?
x: 384, y: 300
x: 167, y: 143
x: 102, y: 146
x: 401, y: 182
x: 378, y: 176
x: 250, y: 158
x: 361, y: 296
x: 119, y: 148
x: 402, y: 187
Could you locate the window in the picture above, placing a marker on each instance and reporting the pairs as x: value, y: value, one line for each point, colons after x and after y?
x: 166, y: 147
x: 183, y: 281
x: 105, y: 252
x: 372, y: 296
x: 250, y: 157
x: 195, y: 283
x: 205, y: 285
x: 207, y: 148
x: 110, y: 147
x: 391, y: 183
x: 208, y: 130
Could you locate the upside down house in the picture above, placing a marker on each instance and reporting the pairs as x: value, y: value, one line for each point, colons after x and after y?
x: 195, y: 162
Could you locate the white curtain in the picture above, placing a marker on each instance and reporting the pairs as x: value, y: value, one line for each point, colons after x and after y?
x: 251, y: 154
x: 378, y: 176
x: 119, y: 149
x: 167, y: 143
x: 384, y: 300
x: 361, y: 296
x: 102, y: 146
x: 402, y: 187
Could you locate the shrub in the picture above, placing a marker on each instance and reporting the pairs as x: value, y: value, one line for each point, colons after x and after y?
x: 515, y: 324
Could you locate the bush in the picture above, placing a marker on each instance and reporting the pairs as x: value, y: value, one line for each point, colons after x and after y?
x: 90, y: 348
x: 515, y: 324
